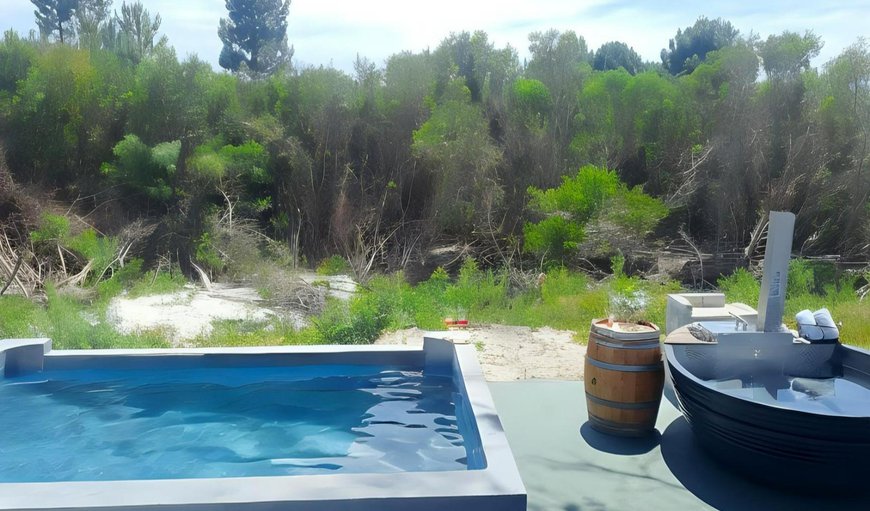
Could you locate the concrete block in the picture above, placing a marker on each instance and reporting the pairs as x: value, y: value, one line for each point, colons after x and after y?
x: 22, y: 356
x: 685, y: 308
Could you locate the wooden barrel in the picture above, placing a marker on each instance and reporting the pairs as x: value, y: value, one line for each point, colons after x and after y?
x: 624, y: 376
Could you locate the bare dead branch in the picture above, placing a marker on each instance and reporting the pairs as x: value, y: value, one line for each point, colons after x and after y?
x: 689, y: 241
x: 14, y: 274
x: 203, y: 276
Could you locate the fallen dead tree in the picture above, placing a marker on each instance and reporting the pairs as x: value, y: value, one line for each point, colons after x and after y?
x: 18, y: 214
x: 17, y: 269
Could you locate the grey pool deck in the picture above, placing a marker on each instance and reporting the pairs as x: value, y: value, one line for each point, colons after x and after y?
x: 566, y: 466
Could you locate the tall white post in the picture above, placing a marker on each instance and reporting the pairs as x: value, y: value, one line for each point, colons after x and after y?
x: 777, y: 253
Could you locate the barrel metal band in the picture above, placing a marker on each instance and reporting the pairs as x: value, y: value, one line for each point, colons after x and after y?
x: 628, y: 345
x: 619, y: 428
x: 620, y: 405
x: 624, y: 368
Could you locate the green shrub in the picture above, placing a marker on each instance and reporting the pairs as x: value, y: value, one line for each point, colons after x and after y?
x: 120, y: 280
x: 741, y: 286
x: 562, y: 282
x: 137, y: 283
x: 19, y: 317
x: 594, y: 193
x: 99, y: 250
x: 71, y: 325
x: 439, y: 277
x: 206, y: 164
x: 238, y: 333
x: 54, y: 232
x: 400, y: 302
x: 801, y: 279
x: 51, y: 228
x: 580, y: 196
x: 358, y: 322
x: 531, y: 95
x: 532, y: 101
x: 461, y: 295
x: 554, y: 237
x: 207, y: 254
x: 429, y: 301
x: 142, y: 169
x: 476, y: 289
x: 634, y: 211
x: 565, y: 300
x: 333, y: 265
x: 346, y: 323
x: 155, y: 283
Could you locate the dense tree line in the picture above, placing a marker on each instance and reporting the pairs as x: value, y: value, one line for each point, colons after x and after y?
x: 453, y: 144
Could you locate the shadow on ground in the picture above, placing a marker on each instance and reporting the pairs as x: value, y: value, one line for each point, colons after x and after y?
x: 619, y: 445
x: 727, y: 491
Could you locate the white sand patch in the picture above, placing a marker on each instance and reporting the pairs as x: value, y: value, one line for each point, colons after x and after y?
x: 188, y: 313
x: 509, y: 353
x: 342, y: 287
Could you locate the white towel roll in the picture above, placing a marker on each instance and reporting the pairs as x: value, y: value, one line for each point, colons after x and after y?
x: 826, y: 324
x: 807, y: 327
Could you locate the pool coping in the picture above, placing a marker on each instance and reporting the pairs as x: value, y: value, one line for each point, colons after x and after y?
x: 496, y: 487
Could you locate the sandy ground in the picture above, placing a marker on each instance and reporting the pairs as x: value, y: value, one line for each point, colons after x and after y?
x: 506, y: 353
x: 509, y: 353
x: 188, y: 313
x: 337, y: 286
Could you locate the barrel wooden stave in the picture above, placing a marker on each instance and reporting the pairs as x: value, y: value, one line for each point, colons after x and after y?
x: 624, y: 380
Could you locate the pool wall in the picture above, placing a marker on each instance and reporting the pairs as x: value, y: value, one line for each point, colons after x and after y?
x: 493, y: 485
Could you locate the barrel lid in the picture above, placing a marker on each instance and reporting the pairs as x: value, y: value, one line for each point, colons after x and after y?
x: 625, y: 330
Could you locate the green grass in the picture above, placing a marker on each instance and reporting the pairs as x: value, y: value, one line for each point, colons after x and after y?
x: 137, y: 283
x: 333, y: 265
x: 78, y: 321
x: 359, y: 321
x: 564, y: 300
x: 570, y: 300
x: 156, y: 284
x: 69, y: 322
x: 19, y: 317
x: 241, y: 333
x: 811, y: 286
x: 741, y: 287
x: 855, y: 319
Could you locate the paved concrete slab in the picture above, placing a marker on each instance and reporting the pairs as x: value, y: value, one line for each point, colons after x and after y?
x: 567, y: 466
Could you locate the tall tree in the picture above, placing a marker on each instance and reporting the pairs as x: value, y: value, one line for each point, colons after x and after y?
x: 255, y: 34
x: 55, y: 16
x: 691, y: 46
x: 785, y: 56
x: 845, y: 113
x: 485, y: 69
x: 90, y: 17
x: 561, y: 62
x: 615, y: 55
x: 137, y: 30
x: 455, y: 145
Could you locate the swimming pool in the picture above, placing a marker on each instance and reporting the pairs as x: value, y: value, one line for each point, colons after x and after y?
x: 257, y: 428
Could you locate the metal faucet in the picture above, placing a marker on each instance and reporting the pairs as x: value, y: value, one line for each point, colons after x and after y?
x: 739, y: 321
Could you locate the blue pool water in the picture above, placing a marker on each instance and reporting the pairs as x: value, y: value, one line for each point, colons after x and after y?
x: 831, y: 396
x: 89, y: 425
